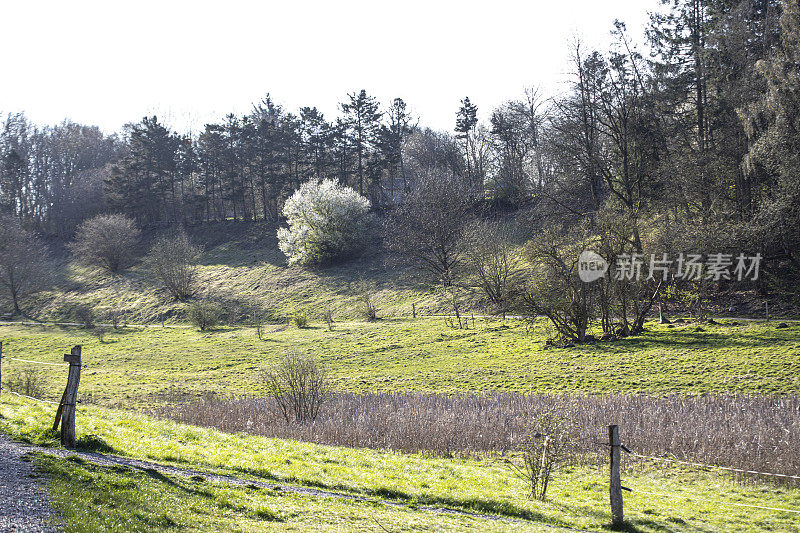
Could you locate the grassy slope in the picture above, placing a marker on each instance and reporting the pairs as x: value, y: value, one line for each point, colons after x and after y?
x: 135, y: 367
x: 125, y: 500
x: 578, y: 497
x: 242, y: 266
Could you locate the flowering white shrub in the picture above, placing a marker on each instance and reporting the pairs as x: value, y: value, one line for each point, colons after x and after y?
x: 327, y: 221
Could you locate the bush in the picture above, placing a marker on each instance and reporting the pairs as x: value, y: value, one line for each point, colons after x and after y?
x: 327, y: 221
x: 115, y: 317
x: 328, y: 316
x: 545, y: 448
x: 204, y: 315
x: 100, y: 332
x: 173, y: 260
x: 367, y: 307
x: 258, y: 319
x: 554, y: 289
x: 107, y: 242
x: 300, y: 319
x: 299, y: 385
x: 85, y: 315
x: 27, y: 382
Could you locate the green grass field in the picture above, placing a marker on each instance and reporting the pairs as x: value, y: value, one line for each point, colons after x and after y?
x: 131, y: 369
x: 138, y: 367
x: 127, y: 500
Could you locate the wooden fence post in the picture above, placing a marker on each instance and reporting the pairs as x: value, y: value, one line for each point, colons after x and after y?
x: 413, y: 310
x: 615, y: 486
x: 1, y: 365
x: 70, y: 398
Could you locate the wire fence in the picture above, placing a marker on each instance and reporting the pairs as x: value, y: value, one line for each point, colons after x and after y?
x: 713, y: 467
x: 28, y: 397
x: 35, y: 362
x: 707, y: 500
x: 7, y: 388
x: 630, y: 453
x: 708, y: 467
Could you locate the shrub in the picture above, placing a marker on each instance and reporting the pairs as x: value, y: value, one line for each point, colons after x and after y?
x: 28, y: 382
x: 368, y: 308
x: 173, y: 260
x: 554, y: 289
x: 327, y: 221
x: 85, y: 315
x: 107, y: 242
x: 545, y: 448
x: 258, y: 318
x: 204, y: 315
x: 328, y: 316
x: 100, y: 332
x: 300, y: 319
x: 115, y: 317
x: 299, y: 386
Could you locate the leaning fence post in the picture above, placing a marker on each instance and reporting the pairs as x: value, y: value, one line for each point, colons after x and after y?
x: 70, y: 397
x: 615, y: 486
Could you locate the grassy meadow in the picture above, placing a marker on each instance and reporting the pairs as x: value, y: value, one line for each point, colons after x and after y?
x: 131, y: 370
x: 134, y: 367
x: 127, y: 500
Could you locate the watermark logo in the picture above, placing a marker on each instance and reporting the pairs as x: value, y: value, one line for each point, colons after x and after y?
x: 591, y: 266
x: 688, y: 267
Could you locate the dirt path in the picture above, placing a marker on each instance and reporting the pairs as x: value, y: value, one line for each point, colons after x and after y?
x: 23, y: 501
x: 112, y: 460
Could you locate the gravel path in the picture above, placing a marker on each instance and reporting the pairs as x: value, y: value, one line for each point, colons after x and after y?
x: 23, y: 502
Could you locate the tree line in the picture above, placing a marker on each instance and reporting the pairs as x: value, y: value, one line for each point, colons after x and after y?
x: 700, y: 134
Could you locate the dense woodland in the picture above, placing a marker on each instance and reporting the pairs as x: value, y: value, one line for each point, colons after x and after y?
x: 695, y: 142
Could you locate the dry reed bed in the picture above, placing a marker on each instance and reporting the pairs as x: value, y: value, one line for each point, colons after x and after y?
x: 757, y: 432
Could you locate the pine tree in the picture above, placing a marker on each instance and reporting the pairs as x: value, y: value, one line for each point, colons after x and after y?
x: 466, y: 122
x: 362, y: 118
x: 391, y: 139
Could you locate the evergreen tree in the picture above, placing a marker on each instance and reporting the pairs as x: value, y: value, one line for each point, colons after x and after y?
x: 466, y: 122
x: 392, y: 136
x: 362, y: 118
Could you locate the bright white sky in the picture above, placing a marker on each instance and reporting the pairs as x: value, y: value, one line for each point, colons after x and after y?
x: 112, y: 62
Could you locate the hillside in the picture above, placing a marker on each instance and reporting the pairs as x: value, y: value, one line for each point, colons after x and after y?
x: 242, y: 268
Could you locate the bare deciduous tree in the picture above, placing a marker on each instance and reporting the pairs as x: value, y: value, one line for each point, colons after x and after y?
x: 173, y: 260
x: 299, y: 385
x: 428, y: 228
x: 491, y: 259
x: 107, y: 242
x: 22, y: 261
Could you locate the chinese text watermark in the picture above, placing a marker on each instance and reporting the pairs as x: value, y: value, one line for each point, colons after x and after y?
x: 688, y: 267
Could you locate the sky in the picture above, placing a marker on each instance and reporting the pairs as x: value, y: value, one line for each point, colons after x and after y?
x: 112, y: 62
